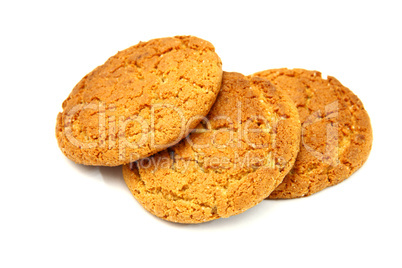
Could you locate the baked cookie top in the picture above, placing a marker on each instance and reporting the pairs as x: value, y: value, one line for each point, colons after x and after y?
x: 140, y: 101
x: 234, y: 159
x: 336, y: 131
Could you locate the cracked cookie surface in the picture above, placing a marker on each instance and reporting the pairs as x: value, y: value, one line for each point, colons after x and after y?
x: 233, y: 160
x: 140, y: 101
x: 336, y: 131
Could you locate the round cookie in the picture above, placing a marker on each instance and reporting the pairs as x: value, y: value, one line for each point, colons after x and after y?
x: 234, y: 159
x: 336, y: 131
x: 140, y: 101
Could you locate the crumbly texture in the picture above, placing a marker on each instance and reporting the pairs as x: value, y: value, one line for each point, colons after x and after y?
x: 233, y: 160
x: 336, y: 131
x: 140, y: 101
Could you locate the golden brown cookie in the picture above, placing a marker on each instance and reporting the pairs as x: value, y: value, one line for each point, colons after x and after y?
x: 235, y: 158
x: 140, y: 101
x: 336, y: 131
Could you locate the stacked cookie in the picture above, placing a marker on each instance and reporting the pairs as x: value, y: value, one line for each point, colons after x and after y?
x: 197, y: 143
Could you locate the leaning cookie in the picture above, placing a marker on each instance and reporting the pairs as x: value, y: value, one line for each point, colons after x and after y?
x: 142, y: 100
x: 234, y: 159
x: 336, y: 131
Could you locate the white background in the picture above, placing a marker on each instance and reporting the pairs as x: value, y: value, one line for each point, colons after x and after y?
x: 54, y: 213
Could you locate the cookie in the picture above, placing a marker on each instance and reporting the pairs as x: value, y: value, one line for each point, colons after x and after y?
x: 336, y: 131
x: 234, y: 159
x: 140, y: 101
